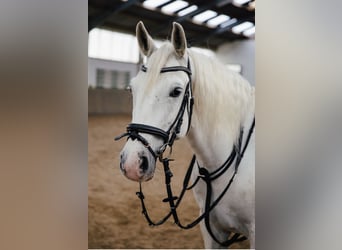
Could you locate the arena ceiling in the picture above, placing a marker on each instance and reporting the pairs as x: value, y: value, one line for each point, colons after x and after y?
x: 208, y: 23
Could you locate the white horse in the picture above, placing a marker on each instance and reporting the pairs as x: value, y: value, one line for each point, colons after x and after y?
x: 223, y: 105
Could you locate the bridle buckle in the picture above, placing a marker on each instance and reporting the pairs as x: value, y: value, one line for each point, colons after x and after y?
x: 162, y: 150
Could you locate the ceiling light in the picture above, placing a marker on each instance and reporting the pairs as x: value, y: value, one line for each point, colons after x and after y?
x: 249, y: 32
x: 241, y: 27
x: 213, y: 23
x: 174, y: 6
x: 251, y: 6
x: 204, y: 16
x: 228, y: 23
x: 187, y: 10
x: 240, y: 2
x: 152, y: 4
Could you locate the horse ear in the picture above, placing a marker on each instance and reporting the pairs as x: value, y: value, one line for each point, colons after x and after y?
x: 145, y: 41
x: 178, y: 39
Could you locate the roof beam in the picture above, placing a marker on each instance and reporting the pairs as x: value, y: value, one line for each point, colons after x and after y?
x: 200, y: 9
x: 100, y: 19
x: 164, y: 4
x: 229, y: 25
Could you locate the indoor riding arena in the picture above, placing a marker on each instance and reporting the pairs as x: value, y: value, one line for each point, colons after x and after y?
x: 115, y: 218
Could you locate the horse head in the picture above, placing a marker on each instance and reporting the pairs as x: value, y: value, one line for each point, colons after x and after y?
x: 162, y: 95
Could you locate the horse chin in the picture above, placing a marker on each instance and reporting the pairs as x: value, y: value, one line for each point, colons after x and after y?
x: 139, y: 177
x: 143, y: 178
x: 149, y: 178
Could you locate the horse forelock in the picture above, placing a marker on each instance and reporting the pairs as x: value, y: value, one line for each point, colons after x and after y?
x: 156, y: 62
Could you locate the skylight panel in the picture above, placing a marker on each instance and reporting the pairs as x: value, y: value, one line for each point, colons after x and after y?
x: 249, y: 32
x: 204, y: 16
x: 251, y: 5
x: 174, y: 6
x: 216, y: 21
x: 228, y: 23
x: 240, y: 2
x: 241, y: 27
x: 152, y: 4
x: 187, y: 10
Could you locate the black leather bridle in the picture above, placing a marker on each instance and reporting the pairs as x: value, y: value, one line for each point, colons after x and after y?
x: 168, y: 137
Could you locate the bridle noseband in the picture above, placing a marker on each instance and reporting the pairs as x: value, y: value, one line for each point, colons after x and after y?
x: 134, y: 130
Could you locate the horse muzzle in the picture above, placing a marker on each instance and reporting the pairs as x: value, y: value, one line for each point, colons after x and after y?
x: 136, y: 162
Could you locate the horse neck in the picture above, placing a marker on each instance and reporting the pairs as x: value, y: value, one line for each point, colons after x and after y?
x: 212, y: 147
x: 212, y: 141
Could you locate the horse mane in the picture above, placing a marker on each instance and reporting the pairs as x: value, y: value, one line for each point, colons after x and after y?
x: 224, y: 96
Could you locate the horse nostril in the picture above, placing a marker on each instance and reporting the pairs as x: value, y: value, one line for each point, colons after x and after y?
x: 122, y: 167
x: 122, y: 161
x: 144, y: 163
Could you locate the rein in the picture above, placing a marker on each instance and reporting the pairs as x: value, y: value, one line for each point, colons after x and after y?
x: 168, y: 138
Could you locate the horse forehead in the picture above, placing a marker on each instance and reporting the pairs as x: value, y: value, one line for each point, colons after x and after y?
x: 171, y: 61
x: 153, y: 82
x: 160, y: 80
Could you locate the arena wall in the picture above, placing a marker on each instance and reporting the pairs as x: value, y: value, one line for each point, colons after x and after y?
x: 109, y: 101
x: 240, y: 52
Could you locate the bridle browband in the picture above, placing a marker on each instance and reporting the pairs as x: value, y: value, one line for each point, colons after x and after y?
x: 168, y: 137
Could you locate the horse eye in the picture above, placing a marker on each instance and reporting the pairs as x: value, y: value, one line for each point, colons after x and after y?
x: 176, y: 92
